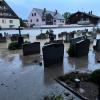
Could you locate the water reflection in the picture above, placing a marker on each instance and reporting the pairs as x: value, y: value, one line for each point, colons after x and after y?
x: 79, y: 63
x: 30, y: 60
x: 97, y: 56
x: 52, y: 72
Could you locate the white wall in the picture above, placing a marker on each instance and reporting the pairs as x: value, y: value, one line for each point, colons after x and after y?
x: 7, y: 24
x: 34, y: 19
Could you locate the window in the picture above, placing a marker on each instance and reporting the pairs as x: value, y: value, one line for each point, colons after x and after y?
x: 54, y: 20
x: 76, y: 15
x: 60, y: 20
x: 31, y: 20
x: 63, y: 21
x: 11, y: 21
x: 37, y: 20
x: 81, y: 14
x: 11, y: 26
x: 43, y: 19
x: 34, y: 14
x: 87, y: 19
x: 3, y: 21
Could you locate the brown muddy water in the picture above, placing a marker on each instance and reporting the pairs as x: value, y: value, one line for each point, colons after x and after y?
x: 21, y: 78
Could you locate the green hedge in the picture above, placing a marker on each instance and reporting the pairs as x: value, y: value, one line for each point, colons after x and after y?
x: 27, y: 42
x: 95, y: 76
x: 71, y: 51
x: 13, y: 46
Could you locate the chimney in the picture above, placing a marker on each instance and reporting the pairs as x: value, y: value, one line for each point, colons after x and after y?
x: 56, y: 12
x: 44, y: 10
x: 91, y: 12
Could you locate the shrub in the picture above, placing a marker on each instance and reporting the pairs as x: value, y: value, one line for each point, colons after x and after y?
x: 71, y: 51
x: 42, y: 36
x: 26, y: 42
x: 95, y: 76
x: 13, y: 46
x: 47, y: 32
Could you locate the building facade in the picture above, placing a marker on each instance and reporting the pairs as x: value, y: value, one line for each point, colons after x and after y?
x: 8, y: 18
x: 83, y: 18
x: 25, y: 22
x: 40, y: 17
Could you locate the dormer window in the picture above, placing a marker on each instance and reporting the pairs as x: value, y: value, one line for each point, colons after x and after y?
x: 34, y: 14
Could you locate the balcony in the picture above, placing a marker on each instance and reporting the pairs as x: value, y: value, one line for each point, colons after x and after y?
x: 87, y: 22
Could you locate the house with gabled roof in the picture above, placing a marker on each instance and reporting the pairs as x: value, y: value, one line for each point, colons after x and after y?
x: 83, y: 18
x: 8, y: 18
x: 40, y: 17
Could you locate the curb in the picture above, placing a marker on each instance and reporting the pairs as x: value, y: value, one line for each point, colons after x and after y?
x: 70, y: 89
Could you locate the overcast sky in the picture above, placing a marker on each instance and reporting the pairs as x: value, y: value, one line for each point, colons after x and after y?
x: 24, y: 7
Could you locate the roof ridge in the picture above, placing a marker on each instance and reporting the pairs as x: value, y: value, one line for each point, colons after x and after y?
x: 57, y: 16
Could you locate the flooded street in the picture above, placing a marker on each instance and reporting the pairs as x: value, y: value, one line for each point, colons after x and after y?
x: 21, y: 78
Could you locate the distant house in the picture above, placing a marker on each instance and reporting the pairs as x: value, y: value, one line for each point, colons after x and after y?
x: 8, y: 18
x: 44, y: 17
x: 25, y: 23
x: 83, y: 18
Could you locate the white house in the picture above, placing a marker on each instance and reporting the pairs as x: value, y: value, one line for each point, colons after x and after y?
x: 8, y: 18
x: 40, y: 17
